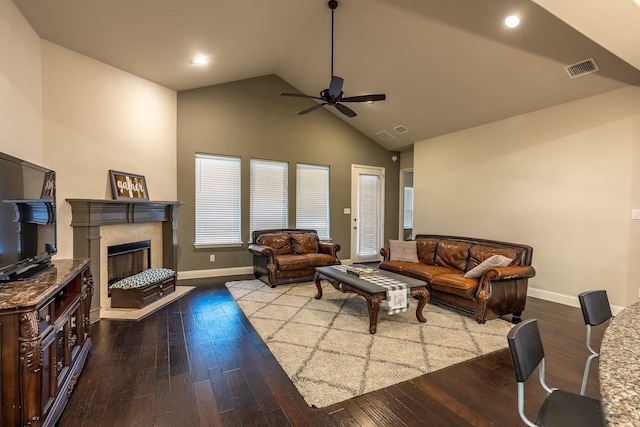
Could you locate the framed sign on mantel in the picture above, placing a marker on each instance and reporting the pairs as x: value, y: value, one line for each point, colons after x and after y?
x: 128, y: 186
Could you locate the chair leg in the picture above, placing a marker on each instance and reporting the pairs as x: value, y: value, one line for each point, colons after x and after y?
x: 524, y: 418
x: 587, y: 366
x: 585, y: 378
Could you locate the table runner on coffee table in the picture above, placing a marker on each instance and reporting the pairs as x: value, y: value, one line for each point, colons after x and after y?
x: 398, y: 293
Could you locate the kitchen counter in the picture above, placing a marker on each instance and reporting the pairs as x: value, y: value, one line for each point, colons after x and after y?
x: 620, y: 369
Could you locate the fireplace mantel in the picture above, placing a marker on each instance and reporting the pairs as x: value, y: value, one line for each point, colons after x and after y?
x: 89, y: 215
x: 92, y: 212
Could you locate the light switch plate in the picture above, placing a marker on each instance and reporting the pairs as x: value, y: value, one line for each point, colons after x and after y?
x: 635, y: 213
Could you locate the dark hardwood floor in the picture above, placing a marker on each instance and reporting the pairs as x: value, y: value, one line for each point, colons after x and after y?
x: 198, y: 362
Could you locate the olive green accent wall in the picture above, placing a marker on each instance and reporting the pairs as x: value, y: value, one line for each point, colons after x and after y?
x: 249, y: 119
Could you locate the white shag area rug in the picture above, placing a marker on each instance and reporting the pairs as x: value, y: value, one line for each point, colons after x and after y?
x: 326, y: 349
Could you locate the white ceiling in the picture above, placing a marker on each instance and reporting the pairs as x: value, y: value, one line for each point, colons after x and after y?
x: 444, y: 65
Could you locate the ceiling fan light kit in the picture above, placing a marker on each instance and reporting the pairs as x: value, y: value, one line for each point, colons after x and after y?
x: 333, y: 94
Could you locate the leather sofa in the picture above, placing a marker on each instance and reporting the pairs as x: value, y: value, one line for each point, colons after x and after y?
x: 443, y: 261
x: 289, y: 255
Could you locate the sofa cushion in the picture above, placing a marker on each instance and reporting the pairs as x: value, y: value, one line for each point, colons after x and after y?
x: 304, y: 243
x: 427, y: 250
x: 492, y: 261
x: 279, y: 242
x: 452, y: 254
x: 479, y: 253
x: 427, y: 272
x: 319, y: 260
x: 292, y: 262
x: 455, y: 283
x: 403, y: 251
x: 395, y: 266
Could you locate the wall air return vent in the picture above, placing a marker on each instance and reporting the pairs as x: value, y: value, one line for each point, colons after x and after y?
x: 384, y: 135
x: 582, y: 68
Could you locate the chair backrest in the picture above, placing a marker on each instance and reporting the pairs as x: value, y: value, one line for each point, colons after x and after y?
x: 257, y: 233
x: 526, y: 348
x: 595, y: 307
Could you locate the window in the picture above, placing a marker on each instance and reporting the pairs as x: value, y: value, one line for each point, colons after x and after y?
x: 408, y: 207
x: 370, y: 214
x: 312, y: 199
x: 269, y: 189
x: 217, y: 200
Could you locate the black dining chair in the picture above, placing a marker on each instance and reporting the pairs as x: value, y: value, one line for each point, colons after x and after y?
x: 560, y: 408
x: 596, y: 311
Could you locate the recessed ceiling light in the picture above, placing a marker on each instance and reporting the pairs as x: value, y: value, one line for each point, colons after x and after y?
x: 199, y: 60
x: 512, y: 21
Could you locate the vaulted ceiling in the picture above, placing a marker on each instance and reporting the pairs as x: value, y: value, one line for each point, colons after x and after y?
x: 444, y: 65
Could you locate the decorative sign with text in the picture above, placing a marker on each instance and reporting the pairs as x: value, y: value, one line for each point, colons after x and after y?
x: 49, y: 186
x: 128, y: 186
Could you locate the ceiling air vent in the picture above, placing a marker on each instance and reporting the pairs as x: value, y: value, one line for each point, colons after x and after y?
x: 384, y: 135
x: 401, y: 129
x: 582, y: 68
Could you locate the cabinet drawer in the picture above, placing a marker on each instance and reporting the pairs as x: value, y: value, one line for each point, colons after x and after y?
x: 46, y: 317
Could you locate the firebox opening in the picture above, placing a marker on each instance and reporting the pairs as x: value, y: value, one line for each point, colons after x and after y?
x: 127, y: 259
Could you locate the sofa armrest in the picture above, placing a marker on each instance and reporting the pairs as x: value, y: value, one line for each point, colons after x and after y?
x: 503, y: 276
x: 329, y: 248
x: 502, y: 290
x: 386, y: 254
x: 265, y: 251
x: 497, y: 274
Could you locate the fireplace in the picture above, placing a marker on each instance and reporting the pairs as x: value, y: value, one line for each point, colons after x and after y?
x: 98, y: 224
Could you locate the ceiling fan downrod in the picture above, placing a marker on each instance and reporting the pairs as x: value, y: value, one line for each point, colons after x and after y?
x: 333, y: 4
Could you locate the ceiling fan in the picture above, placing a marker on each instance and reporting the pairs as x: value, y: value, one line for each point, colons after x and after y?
x: 333, y: 94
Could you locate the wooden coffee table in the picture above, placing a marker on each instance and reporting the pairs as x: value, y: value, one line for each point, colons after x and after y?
x: 372, y: 293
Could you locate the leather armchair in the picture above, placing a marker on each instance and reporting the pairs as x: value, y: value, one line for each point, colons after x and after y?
x: 283, y: 256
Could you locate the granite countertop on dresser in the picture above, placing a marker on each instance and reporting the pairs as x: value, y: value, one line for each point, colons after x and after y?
x: 28, y: 293
x: 620, y: 369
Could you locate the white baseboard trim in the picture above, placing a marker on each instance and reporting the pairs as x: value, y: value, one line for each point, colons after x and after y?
x: 565, y: 299
x: 215, y: 272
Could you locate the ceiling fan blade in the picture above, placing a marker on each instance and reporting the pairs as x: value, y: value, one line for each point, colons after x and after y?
x: 300, y: 95
x: 312, y: 108
x: 335, y: 87
x: 346, y: 110
x: 365, y: 98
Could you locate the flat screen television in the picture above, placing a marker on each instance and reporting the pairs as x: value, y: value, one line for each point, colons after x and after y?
x: 27, y: 218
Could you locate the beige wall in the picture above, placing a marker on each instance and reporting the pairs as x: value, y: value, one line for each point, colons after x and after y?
x: 81, y: 117
x: 96, y: 118
x: 248, y: 119
x: 20, y: 86
x: 563, y: 180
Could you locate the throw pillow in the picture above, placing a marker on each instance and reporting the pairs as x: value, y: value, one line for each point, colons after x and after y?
x: 492, y: 261
x: 403, y: 250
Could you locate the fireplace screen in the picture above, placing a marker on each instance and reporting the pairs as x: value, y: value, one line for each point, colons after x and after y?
x: 128, y: 259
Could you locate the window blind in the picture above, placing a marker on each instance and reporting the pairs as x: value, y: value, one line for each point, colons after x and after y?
x: 369, y: 224
x: 217, y: 200
x: 408, y: 207
x: 269, y: 194
x: 312, y: 198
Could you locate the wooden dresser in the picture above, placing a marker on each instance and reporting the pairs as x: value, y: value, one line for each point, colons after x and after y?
x: 45, y: 338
